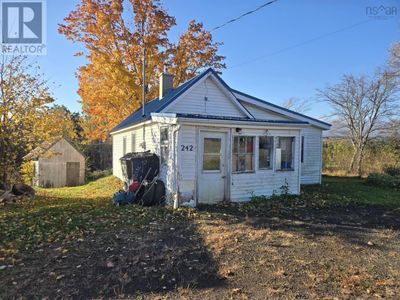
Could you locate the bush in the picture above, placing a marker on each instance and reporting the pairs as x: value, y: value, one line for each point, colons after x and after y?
x: 27, y: 172
x: 91, y: 176
x: 392, y: 171
x: 384, y: 180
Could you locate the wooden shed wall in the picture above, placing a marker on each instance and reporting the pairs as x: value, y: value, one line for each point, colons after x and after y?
x: 53, y: 165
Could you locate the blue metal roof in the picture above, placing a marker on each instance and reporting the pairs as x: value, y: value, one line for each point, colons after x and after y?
x: 156, y: 106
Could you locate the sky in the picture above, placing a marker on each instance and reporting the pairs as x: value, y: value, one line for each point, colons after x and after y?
x: 288, y: 49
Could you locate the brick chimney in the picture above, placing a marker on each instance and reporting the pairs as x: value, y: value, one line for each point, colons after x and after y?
x: 166, y: 82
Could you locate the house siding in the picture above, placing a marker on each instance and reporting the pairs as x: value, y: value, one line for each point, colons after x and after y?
x: 217, y: 104
x: 147, y: 138
x: 312, y: 166
x: 263, y: 114
x: 242, y: 186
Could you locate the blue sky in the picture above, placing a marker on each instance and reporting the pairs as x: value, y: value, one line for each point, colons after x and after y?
x: 288, y: 49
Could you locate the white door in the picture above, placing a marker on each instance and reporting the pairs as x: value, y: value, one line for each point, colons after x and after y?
x: 212, y: 177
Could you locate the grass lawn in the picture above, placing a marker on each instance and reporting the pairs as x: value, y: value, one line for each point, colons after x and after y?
x: 340, y: 239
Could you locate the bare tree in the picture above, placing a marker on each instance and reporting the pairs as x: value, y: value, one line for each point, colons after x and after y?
x: 365, y: 106
x: 296, y: 104
x: 394, y: 60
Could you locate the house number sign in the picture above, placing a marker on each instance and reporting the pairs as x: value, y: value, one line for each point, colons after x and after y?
x: 187, y: 148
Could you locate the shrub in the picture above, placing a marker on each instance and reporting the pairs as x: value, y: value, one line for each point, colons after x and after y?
x: 98, y: 174
x: 392, y: 171
x: 384, y: 180
x: 27, y: 172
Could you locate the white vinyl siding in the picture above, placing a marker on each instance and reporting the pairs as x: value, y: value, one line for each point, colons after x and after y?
x: 263, y: 114
x: 217, y: 103
x: 312, y: 166
x: 134, y: 138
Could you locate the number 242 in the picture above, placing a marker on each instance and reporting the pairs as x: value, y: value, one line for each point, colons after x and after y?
x: 187, y: 148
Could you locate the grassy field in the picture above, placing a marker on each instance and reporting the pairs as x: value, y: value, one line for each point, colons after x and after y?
x: 340, y: 239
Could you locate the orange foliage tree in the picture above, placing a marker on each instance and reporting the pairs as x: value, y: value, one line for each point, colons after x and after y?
x: 110, y: 84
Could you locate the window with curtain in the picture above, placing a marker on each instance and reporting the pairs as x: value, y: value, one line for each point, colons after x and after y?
x: 243, y: 154
x: 286, y: 147
x: 265, y: 152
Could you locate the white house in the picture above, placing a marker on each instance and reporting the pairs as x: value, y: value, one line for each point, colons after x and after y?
x: 216, y: 143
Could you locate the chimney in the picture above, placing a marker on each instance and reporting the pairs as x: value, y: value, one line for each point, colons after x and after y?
x: 166, y: 82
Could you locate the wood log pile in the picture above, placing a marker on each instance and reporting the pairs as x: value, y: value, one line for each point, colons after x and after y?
x: 18, y: 192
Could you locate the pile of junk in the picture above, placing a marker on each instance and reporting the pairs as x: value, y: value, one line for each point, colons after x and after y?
x: 142, y: 184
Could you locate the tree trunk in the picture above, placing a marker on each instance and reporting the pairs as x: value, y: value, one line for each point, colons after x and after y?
x: 353, y: 161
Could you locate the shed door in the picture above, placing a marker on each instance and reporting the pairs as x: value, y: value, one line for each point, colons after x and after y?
x: 212, y: 167
x: 73, y: 173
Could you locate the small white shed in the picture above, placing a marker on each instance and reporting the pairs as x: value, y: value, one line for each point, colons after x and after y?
x: 57, y: 164
x: 218, y: 144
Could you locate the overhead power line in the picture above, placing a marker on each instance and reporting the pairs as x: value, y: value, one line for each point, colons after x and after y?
x: 245, y: 14
x: 301, y: 43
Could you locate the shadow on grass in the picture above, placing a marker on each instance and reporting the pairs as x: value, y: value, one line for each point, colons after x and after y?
x: 155, y: 251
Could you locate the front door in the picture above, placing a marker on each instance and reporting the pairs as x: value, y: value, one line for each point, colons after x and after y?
x: 212, y: 173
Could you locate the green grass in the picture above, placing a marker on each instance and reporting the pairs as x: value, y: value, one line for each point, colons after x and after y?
x: 68, y: 213
x: 351, y: 190
x: 71, y: 213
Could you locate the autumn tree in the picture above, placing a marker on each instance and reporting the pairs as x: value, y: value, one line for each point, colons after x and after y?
x: 365, y: 108
x: 110, y: 84
x: 26, y: 119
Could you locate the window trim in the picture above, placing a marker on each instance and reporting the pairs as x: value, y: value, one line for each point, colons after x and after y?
x: 254, y: 137
x: 278, y: 168
x: 303, y: 140
x: 271, y: 167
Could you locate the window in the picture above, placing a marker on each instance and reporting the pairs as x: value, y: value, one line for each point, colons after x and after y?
x: 284, y: 153
x: 164, y: 144
x: 265, y: 150
x: 133, y: 142
x: 212, y: 154
x: 243, y: 154
x: 302, y: 149
x: 124, y: 145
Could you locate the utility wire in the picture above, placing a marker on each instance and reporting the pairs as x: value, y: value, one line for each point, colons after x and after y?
x: 301, y: 43
x: 245, y: 14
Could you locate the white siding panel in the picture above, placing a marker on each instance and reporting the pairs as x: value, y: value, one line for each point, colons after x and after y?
x: 260, y: 113
x: 217, y: 104
x: 147, y: 137
x: 312, y: 165
x: 187, y: 163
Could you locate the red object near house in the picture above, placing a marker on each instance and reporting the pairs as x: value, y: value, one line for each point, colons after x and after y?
x: 134, y: 186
